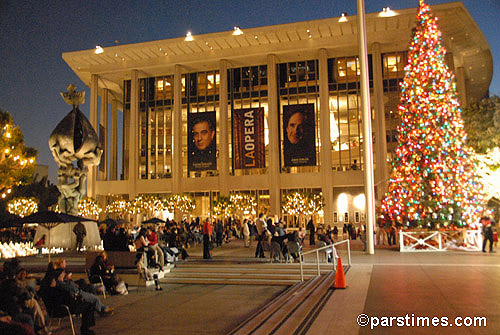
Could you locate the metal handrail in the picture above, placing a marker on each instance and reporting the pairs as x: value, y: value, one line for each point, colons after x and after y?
x: 334, y: 255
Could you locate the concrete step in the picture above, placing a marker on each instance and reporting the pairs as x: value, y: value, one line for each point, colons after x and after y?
x: 242, y: 276
x: 292, y: 312
x: 247, y: 273
x: 298, y: 318
x: 263, y: 265
x: 133, y: 279
x: 250, y: 271
x: 228, y: 281
x: 276, y: 310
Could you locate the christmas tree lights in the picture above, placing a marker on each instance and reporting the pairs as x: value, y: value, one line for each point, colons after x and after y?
x: 89, y: 207
x: 180, y: 202
x: 17, y: 161
x: 146, y: 204
x: 433, y: 178
x: 118, y: 207
x: 244, y: 202
x: 22, y: 206
x: 299, y: 203
x: 223, y: 206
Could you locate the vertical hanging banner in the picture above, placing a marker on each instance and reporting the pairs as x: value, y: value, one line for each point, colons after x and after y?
x: 202, y: 141
x: 299, y: 135
x: 248, y: 138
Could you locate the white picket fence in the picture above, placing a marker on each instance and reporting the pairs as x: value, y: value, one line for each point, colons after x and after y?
x: 423, y: 241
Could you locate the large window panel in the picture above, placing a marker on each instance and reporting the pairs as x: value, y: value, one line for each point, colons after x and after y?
x: 155, y: 126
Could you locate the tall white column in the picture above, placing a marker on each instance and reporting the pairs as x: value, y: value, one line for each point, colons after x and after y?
x: 133, y: 139
x: 92, y: 176
x: 367, y: 129
x: 103, y: 121
x: 224, y: 131
x: 274, y: 136
x: 177, y: 132
x: 324, y: 132
x: 380, y: 131
x: 113, y: 152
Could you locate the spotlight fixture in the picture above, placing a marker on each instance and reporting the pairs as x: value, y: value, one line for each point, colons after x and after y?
x: 98, y: 49
x: 189, y: 37
x: 386, y: 12
x: 237, y: 31
x: 343, y: 17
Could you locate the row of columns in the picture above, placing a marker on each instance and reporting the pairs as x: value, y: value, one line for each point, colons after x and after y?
x: 131, y: 133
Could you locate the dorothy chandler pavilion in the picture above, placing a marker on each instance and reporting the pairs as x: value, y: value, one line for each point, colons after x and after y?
x: 262, y: 111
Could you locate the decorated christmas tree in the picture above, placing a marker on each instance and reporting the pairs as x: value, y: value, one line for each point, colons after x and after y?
x: 17, y: 161
x: 433, y: 179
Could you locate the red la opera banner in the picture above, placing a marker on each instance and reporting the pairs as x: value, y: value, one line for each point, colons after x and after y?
x: 248, y: 138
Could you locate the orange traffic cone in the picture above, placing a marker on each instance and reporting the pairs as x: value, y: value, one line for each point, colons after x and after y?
x: 339, y: 276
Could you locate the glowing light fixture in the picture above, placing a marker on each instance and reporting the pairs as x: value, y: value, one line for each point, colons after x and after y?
x: 342, y: 203
x: 237, y: 31
x: 359, y: 201
x: 189, y: 37
x: 387, y: 12
x: 98, y: 49
x: 343, y: 17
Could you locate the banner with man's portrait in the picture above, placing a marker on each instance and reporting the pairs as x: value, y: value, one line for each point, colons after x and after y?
x: 248, y: 138
x: 299, y: 135
x: 202, y: 141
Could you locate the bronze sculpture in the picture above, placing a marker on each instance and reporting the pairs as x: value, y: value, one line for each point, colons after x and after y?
x: 73, y: 139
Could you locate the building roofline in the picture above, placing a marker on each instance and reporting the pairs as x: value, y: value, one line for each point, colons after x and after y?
x: 290, y: 41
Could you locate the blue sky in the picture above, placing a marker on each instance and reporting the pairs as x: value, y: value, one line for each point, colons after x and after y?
x: 34, y: 34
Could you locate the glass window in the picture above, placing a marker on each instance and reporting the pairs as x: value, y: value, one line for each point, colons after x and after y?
x: 347, y: 69
x: 394, y: 64
x: 155, y: 137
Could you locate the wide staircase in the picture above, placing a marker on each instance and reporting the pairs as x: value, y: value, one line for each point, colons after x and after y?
x: 238, y: 273
x: 292, y: 312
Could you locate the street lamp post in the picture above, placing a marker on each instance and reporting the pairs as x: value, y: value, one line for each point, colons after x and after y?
x: 367, y: 128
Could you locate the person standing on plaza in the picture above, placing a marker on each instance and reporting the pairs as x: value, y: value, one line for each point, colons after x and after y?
x: 80, y: 232
x: 261, y: 226
x: 381, y: 233
x: 335, y: 233
x: 487, y: 232
x: 219, y: 231
x: 246, y: 233
x: 392, y: 234
x: 312, y: 230
x: 362, y: 234
x: 207, y: 238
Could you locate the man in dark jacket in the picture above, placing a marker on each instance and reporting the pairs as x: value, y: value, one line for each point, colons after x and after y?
x: 312, y: 230
x: 487, y: 232
x: 80, y: 232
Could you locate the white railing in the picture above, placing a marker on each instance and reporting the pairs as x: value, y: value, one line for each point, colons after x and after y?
x: 422, y: 241
x: 326, y: 249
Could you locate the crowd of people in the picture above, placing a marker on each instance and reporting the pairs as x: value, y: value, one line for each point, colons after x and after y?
x: 26, y: 304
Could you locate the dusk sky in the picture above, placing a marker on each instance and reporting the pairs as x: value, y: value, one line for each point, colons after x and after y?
x: 34, y: 34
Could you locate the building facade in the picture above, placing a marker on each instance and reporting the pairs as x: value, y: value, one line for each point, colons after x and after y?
x: 270, y: 111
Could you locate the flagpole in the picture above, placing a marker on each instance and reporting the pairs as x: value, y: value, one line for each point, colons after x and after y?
x: 367, y: 129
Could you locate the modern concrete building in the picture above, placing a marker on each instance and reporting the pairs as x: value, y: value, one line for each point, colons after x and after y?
x: 146, y: 99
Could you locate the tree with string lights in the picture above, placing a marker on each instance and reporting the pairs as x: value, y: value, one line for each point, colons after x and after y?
x: 17, y: 161
x: 433, y: 178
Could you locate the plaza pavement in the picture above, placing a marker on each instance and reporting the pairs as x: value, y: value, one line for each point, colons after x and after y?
x: 387, y: 284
